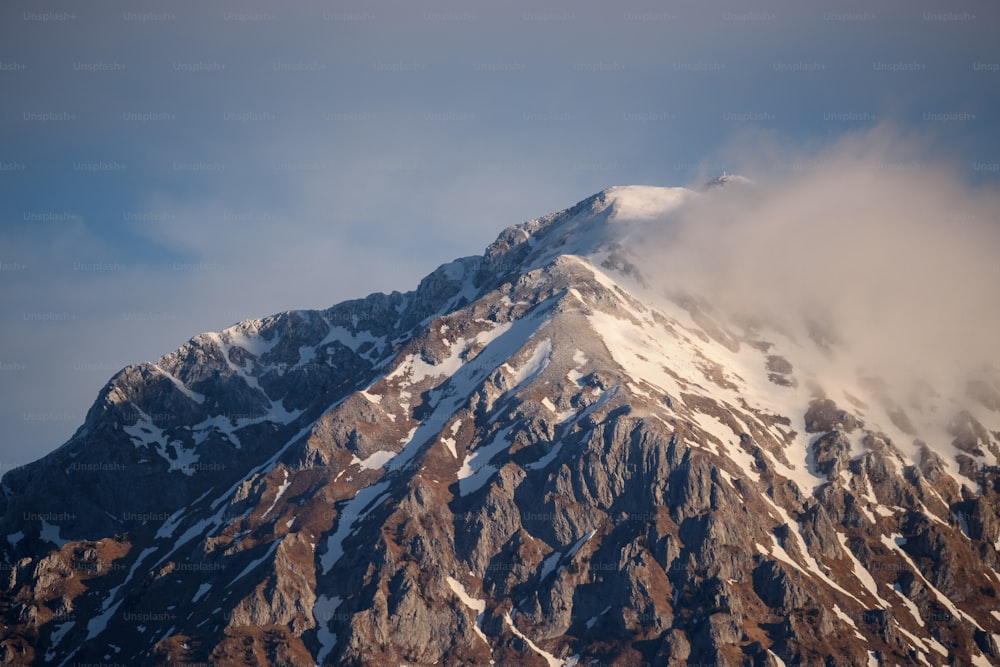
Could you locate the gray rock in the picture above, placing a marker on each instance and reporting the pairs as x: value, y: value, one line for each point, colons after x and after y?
x: 773, y: 584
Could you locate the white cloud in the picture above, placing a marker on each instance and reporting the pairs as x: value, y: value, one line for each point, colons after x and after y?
x: 869, y: 234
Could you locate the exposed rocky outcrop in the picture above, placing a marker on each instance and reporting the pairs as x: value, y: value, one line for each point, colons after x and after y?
x: 527, y: 460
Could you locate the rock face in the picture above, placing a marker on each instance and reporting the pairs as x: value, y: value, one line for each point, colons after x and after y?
x: 530, y: 459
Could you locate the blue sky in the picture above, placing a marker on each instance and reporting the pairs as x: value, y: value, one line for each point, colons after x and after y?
x: 167, y: 170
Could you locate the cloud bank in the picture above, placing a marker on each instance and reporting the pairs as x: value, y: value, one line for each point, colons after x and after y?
x: 894, y: 254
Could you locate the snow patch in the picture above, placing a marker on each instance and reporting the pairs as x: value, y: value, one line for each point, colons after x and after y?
x: 547, y: 459
x: 323, y: 612
x: 98, y: 624
x: 58, y: 633
x: 811, y: 563
x: 475, y: 604
x: 246, y: 334
x: 895, y: 543
x: 202, y: 589
x: 281, y: 491
x: 573, y: 550
x: 194, y: 396
x: 549, y: 564
x: 535, y: 364
x: 253, y: 564
x: 372, y: 398
x: 860, y: 573
x: 914, y: 611
x: 51, y: 533
x: 561, y: 417
x: 144, y: 433
x: 375, y: 461
x: 844, y: 617
x: 549, y: 658
x: 355, y: 509
x: 476, y: 469
x: 450, y: 442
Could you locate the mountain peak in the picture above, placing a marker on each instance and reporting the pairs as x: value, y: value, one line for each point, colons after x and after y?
x: 530, y: 450
x: 727, y: 179
x: 590, y: 227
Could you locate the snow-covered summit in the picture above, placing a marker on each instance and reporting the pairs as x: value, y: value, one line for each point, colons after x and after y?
x: 591, y: 227
x: 727, y: 179
x: 534, y: 448
x: 643, y: 202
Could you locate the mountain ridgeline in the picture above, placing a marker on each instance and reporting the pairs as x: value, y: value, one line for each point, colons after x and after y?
x: 540, y: 456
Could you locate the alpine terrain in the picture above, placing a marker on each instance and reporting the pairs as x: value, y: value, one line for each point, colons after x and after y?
x: 539, y: 456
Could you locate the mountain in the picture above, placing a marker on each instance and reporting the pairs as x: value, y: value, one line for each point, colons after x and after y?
x: 539, y: 456
x: 728, y: 179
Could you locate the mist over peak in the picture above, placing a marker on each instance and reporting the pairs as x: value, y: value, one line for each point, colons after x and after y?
x: 897, y: 266
x: 645, y: 202
x: 727, y: 179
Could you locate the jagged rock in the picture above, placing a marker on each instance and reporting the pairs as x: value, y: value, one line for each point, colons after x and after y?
x: 51, y: 571
x: 843, y: 507
x: 772, y: 583
x: 983, y: 520
x: 490, y: 527
x: 819, y: 533
x: 713, y: 634
x: 824, y: 415
x: 931, y: 465
x: 931, y: 547
x: 519, y: 459
x: 778, y: 364
x: 911, y: 585
x: 831, y: 452
x: 674, y: 650
x: 987, y: 643
x: 884, y: 624
x: 888, y: 487
x: 970, y: 435
x: 691, y: 488
x: 758, y: 656
x: 967, y: 466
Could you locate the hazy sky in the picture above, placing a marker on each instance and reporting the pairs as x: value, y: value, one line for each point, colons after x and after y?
x: 167, y: 169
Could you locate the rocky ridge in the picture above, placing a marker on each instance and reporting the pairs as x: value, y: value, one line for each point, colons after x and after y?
x: 532, y: 458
